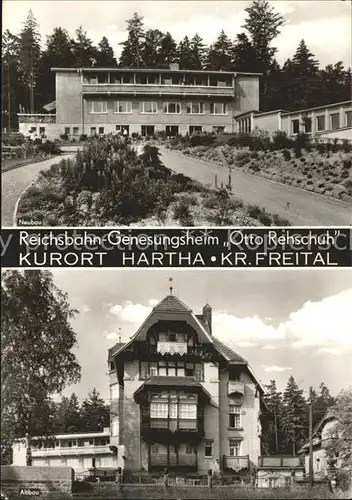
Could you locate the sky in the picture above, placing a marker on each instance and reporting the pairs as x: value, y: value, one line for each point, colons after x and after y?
x: 324, y: 24
x: 283, y: 322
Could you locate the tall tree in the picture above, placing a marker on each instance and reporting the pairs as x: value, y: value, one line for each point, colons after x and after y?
x: 95, y: 414
x: 336, y: 83
x: 244, y: 55
x: 29, y: 56
x: 105, y: 54
x: 340, y: 439
x: 132, y: 52
x: 294, y: 419
x: 273, y: 400
x: 36, y: 349
x: 198, y: 52
x: 263, y: 25
x: 57, y: 53
x: 168, y: 51
x: 185, y: 53
x: 68, y: 415
x: 152, y: 49
x: 84, y: 51
x: 11, y: 89
x: 220, y: 55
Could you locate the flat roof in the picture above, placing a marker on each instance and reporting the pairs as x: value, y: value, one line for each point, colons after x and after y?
x: 332, y: 105
x: 152, y: 70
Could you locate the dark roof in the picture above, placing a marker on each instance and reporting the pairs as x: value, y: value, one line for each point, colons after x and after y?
x: 173, y: 381
x: 114, y: 349
x: 227, y: 352
x: 172, y: 304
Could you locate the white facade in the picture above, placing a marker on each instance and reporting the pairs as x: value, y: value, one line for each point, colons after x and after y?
x: 79, y: 451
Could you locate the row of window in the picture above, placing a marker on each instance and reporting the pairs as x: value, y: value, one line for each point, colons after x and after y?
x: 171, y: 369
x: 149, y: 130
x: 151, y: 107
x: 173, y: 410
x: 334, y: 123
x: 72, y: 443
x: 154, y: 79
x: 161, y: 449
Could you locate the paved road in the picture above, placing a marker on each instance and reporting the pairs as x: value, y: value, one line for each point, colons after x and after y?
x: 14, y: 182
x: 301, y: 208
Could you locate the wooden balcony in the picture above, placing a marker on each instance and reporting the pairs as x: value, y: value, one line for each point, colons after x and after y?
x: 173, y: 460
x: 157, y: 90
x: 179, y: 348
x: 36, y: 118
x: 236, y: 463
x: 280, y: 461
x: 235, y: 387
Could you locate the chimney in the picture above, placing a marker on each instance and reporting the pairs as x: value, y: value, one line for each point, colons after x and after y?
x: 207, y: 316
x: 174, y: 66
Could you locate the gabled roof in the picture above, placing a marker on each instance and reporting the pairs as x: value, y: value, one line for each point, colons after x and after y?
x: 172, y: 303
x: 227, y: 352
x: 319, y: 426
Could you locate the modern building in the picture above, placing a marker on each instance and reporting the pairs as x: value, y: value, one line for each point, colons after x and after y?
x: 82, y: 452
x: 327, y: 122
x: 181, y: 399
x: 144, y: 101
x: 321, y: 435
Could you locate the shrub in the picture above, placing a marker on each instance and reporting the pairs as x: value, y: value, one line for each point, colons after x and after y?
x: 242, y: 157
x: 286, y: 154
x: 223, y: 207
x: 201, y: 140
x: 346, y: 146
x: 64, y: 137
x: 83, y: 137
x: 321, y: 147
x: 182, y: 212
x: 281, y: 141
x: 49, y: 148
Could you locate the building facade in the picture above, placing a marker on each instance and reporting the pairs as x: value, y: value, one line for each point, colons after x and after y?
x: 182, y: 400
x: 321, y: 434
x: 328, y: 122
x: 279, y: 471
x: 145, y: 101
x: 82, y: 452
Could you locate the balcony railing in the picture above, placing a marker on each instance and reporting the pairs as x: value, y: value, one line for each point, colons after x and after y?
x: 235, y: 387
x: 182, y: 460
x: 179, y: 348
x: 280, y: 461
x: 65, y: 451
x: 236, y: 463
x: 36, y: 118
x: 157, y: 90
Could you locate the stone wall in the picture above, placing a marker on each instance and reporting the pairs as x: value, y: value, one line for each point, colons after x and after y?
x: 51, y: 481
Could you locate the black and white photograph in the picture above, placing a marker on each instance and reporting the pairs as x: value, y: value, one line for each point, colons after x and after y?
x: 167, y: 113
x: 203, y: 384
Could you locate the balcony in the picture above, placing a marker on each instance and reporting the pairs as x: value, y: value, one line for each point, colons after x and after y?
x: 236, y: 463
x: 278, y: 461
x: 74, y: 451
x: 179, y: 348
x: 157, y: 90
x: 36, y: 118
x: 235, y: 387
x: 180, y: 460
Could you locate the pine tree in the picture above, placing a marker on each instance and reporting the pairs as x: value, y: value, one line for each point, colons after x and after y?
x: 336, y: 84
x: 198, y: 51
x: 244, y: 55
x: 263, y: 25
x: 168, y: 51
x: 152, y: 49
x: 85, y: 53
x: 57, y: 54
x: 303, y: 60
x: 29, y: 56
x: 220, y: 54
x: 185, y: 55
x: 11, y: 87
x: 105, y: 54
x: 294, y: 419
x: 68, y: 415
x: 273, y: 400
x: 132, y: 52
x: 95, y: 414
